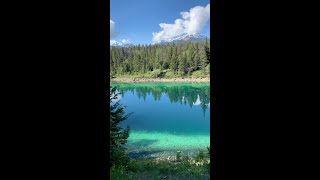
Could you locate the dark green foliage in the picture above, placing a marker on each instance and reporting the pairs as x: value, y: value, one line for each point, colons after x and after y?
x: 185, y: 158
x: 182, y: 64
x: 174, y: 61
x: 150, y: 169
x: 178, y: 156
x: 200, y: 156
x: 203, y: 155
x: 156, y: 73
x: 118, y: 135
x: 183, y: 168
x: 180, y: 59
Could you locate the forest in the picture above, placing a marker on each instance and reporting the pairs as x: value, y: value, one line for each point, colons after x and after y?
x: 190, y: 59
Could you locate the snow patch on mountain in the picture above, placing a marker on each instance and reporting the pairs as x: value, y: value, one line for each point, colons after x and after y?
x: 183, y: 39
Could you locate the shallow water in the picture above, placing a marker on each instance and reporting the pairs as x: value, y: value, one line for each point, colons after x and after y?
x: 167, y: 116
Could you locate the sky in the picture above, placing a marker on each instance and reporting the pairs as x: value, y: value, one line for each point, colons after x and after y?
x: 148, y: 21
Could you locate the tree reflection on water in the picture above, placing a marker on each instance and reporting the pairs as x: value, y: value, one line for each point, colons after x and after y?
x: 185, y: 94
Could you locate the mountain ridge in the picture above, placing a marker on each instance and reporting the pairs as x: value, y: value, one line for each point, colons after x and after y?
x: 185, y: 38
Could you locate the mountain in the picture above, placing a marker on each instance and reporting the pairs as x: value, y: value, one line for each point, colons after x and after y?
x: 183, y: 39
x: 177, y: 40
x: 114, y: 43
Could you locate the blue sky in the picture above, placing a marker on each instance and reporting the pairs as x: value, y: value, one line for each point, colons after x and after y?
x: 136, y: 20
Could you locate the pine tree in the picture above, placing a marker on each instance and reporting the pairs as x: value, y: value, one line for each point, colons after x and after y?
x: 207, y: 49
x: 204, y: 61
x: 196, y: 60
x: 182, y: 64
x: 118, y: 135
x: 174, y: 61
x: 143, y: 59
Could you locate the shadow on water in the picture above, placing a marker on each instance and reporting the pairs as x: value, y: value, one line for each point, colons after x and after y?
x: 135, y: 148
x: 143, y: 142
x: 185, y: 94
x: 144, y: 153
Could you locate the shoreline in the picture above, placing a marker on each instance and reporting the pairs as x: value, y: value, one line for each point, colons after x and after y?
x: 152, y: 80
x: 163, y: 155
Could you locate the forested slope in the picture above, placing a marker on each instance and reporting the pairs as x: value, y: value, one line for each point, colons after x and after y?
x: 166, y: 61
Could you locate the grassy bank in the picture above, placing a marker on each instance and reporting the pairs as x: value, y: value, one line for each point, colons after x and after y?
x: 148, y: 169
x: 182, y: 167
x: 161, y: 76
x: 155, y: 80
x: 165, y: 74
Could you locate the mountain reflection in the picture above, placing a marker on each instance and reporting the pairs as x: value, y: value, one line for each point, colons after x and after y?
x: 185, y: 94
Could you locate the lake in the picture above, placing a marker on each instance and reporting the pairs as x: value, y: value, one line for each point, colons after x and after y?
x: 167, y: 117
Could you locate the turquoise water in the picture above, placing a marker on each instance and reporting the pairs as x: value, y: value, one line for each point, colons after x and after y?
x: 167, y: 116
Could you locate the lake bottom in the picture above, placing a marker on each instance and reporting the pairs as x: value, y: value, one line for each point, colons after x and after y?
x: 165, y: 144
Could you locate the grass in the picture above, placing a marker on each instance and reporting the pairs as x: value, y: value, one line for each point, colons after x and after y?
x: 167, y: 74
x: 150, y: 169
x: 184, y: 168
x: 198, y: 74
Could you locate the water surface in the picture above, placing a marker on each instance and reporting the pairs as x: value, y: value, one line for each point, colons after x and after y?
x: 167, y: 116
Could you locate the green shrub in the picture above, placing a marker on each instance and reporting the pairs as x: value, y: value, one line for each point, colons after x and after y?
x: 169, y: 74
x: 198, y: 73
x: 118, y: 173
x: 185, y: 158
x: 178, y: 156
x: 156, y: 73
x: 151, y: 169
x: 207, y: 69
x: 200, y: 156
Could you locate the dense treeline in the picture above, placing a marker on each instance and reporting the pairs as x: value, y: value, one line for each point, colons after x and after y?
x: 157, y: 60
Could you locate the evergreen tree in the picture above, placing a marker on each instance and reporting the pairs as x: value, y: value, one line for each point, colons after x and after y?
x: 174, y: 61
x: 182, y: 64
x: 118, y: 135
x: 179, y: 58
x: 204, y: 56
x: 196, y: 60
x: 204, y: 61
x: 207, y: 49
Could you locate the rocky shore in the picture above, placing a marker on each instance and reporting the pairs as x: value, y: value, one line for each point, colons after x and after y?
x: 169, y: 156
x: 151, y: 80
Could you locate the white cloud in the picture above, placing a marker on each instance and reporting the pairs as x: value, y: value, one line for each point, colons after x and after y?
x: 112, y: 29
x: 121, y: 42
x: 125, y: 41
x: 198, y: 102
x: 191, y: 22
